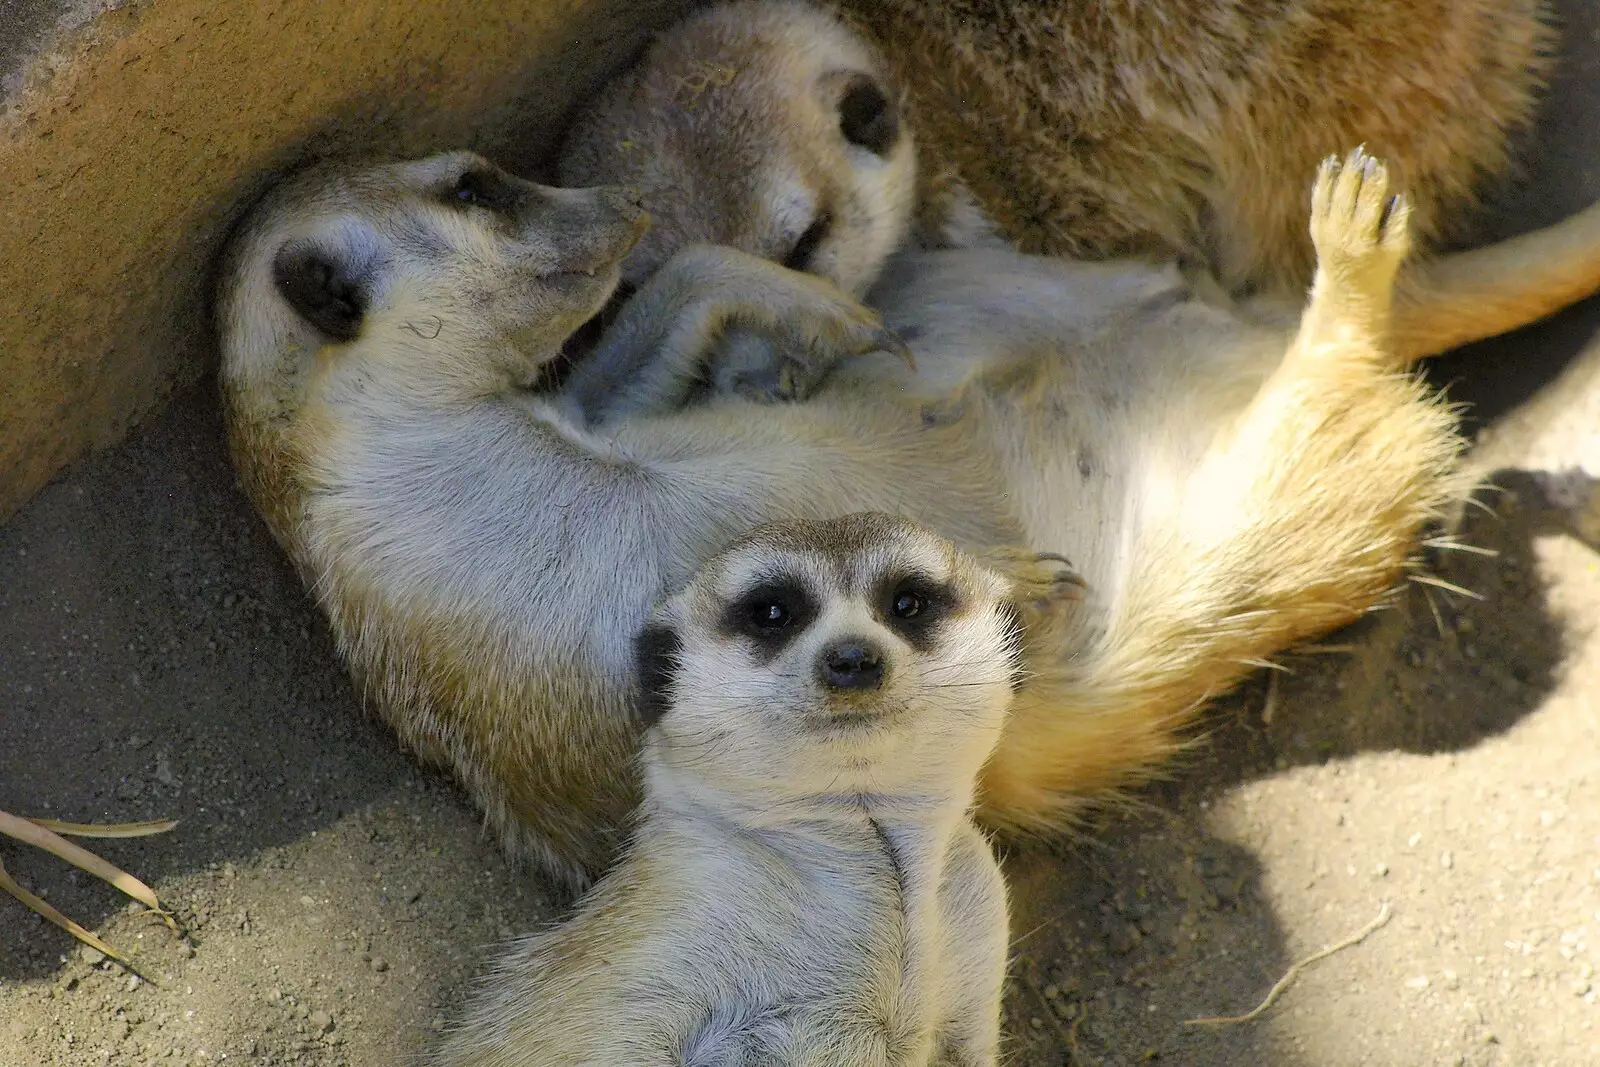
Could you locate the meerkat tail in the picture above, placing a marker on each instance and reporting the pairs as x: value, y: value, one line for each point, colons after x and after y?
x: 1456, y: 299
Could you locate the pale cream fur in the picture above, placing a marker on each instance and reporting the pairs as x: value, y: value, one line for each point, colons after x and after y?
x: 486, y: 553
x: 805, y: 884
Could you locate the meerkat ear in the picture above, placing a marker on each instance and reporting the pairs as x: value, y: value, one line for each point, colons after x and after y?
x: 321, y: 288
x: 867, y: 115
x: 655, y: 655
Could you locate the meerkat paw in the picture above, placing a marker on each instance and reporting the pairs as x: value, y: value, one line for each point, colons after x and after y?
x: 1360, y: 231
x: 819, y: 339
x: 759, y: 370
x: 812, y: 329
x: 1042, y: 583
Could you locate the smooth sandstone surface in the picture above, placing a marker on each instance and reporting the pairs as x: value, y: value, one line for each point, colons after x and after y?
x: 132, y: 134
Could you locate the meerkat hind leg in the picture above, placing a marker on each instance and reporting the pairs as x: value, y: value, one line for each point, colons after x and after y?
x: 1300, y: 515
x: 1333, y: 399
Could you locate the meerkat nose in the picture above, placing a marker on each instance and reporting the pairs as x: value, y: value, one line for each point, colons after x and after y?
x: 852, y: 665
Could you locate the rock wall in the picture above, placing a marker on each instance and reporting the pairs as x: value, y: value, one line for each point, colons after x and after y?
x: 132, y: 134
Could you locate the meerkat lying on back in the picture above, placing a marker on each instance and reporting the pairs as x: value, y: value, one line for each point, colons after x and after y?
x: 485, y: 554
x: 804, y: 884
x: 773, y: 127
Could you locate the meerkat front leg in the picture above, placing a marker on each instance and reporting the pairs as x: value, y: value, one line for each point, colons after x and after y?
x: 976, y: 934
x: 653, y: 357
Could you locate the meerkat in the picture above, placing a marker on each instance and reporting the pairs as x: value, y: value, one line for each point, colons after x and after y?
x: 777, y: 127
x: 1185, y: 127
x: 485, y: 552
x: 804, y: 883
x: 834, y: 195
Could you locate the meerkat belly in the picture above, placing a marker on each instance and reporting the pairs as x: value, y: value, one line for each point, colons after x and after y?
x: 972, y: 312
x: 819, y: 460
x: 1095, y: 385
x: 815, y: 960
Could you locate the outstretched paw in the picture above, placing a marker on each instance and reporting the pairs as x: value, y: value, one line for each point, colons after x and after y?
x: 804, y: 327
x: 1361, y: 233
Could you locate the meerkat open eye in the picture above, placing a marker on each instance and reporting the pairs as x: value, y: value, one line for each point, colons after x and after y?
x: 867, y: 117
x: 483, y: 188
x: 799, y: 257
x: 771, y: 613
x: 913, y: 605
x: 907, y: 605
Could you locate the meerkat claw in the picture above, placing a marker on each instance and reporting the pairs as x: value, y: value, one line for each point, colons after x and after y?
x: 1067, y: 575
x: 889, y: 341
x: 1056, y: 557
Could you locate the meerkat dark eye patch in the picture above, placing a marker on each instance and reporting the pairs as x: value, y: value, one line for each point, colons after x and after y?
x: 913, y: 606
x: 321, y: 289
x: 867, y: 117
x: 655, y: 656
x: 488, y: 189
x: 770, y: 615
x: 799, y: 257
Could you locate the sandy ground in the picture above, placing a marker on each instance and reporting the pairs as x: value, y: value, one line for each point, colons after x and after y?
x: 1439, y: 761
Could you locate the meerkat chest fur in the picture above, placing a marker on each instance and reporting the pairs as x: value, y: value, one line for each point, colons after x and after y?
x: 858, y: 921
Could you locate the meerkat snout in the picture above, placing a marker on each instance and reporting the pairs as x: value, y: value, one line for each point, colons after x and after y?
x: 853, y: 663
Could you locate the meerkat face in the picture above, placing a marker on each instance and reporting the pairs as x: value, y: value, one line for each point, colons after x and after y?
x: 767, y: 126
x: 863, y: 654
x: 335, y: 253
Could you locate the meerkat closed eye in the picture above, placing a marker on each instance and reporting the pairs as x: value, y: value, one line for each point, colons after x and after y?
x: 804, y: 883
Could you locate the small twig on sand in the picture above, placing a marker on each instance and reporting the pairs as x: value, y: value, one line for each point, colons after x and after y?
x: 1073, y: 1048
x: 1294, y: 972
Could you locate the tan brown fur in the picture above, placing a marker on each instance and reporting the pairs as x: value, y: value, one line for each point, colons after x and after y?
x: 754, y: 156
x: 1182, y: 635
x: 1183, y: 127
x: 1225, y: 569
x: 486, y: 554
